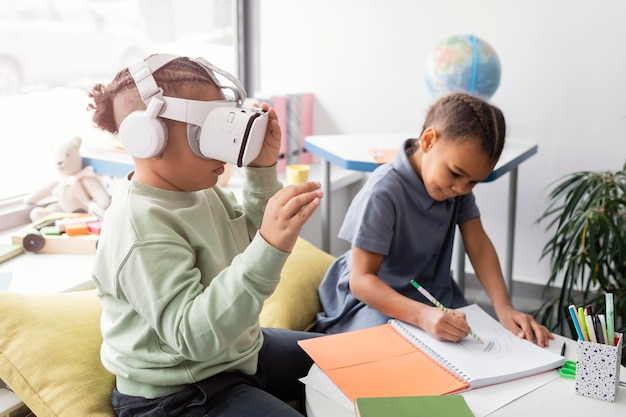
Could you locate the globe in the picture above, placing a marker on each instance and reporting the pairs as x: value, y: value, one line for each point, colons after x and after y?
x: 463, y: 63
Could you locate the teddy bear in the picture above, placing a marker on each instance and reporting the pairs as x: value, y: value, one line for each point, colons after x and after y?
x: 77, y: 190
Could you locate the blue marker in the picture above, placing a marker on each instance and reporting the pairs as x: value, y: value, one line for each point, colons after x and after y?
x: 579, y: 331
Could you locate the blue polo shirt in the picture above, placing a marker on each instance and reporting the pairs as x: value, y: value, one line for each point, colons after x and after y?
x: 394, y: 215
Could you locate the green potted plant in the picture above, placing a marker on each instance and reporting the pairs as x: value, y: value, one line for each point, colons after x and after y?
x: 586, y: 219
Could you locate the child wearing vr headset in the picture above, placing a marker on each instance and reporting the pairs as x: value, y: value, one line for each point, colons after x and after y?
x: 182, y: 270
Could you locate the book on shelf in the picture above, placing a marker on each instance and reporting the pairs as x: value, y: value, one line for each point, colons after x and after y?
x: 108, y: 158
x: 413, y: 406
x: 299, y: 126
x: 306, y: 128
x: 280, y: 105
x: 295, y: 118
x: 399, y: 359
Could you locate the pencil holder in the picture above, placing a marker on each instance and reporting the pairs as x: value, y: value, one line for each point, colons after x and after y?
x: 597, y: 369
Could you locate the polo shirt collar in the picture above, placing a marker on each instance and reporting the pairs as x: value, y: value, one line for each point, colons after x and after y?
x: 414, y: 184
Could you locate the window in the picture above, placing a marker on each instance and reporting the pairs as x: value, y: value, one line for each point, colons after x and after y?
x: 53, y: 51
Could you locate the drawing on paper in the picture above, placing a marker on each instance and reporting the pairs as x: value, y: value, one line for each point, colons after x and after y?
x: 497, y: 342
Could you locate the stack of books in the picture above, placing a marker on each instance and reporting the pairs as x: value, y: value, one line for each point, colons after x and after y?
x: 295, y: 117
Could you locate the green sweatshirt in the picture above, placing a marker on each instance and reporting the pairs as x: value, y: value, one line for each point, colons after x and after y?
x: 182, y: 277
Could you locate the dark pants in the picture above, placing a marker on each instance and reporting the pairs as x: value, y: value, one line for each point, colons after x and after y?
x: 233, y: 394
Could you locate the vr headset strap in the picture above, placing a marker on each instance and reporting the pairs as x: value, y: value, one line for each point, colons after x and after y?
x: 148, y: 88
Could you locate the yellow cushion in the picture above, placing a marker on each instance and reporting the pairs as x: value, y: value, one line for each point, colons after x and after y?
x: 50, y: 353
x: 295, y: 300
x: 50, y: 344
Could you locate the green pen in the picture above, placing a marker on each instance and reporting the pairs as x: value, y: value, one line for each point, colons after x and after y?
x: 610, y: 319
x: 433, y: 300
x: 583, y: 322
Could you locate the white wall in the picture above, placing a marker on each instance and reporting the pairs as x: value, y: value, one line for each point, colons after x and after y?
x: 563, y: 83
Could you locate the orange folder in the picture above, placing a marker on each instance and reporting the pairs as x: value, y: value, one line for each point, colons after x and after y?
x: 379, y: 362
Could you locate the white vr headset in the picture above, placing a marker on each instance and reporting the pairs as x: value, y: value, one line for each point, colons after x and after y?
x: 220, y: 129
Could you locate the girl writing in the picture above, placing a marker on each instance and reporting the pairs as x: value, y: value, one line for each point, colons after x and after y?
x: 401, y: 226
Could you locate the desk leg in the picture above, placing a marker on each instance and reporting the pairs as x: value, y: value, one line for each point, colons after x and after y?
x: 508, y: 266
x: 325, y: 206
x: 459, y: 264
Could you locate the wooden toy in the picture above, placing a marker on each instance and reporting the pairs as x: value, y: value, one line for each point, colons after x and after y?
x: 73, y: 234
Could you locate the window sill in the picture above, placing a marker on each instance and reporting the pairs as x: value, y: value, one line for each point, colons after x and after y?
x: 14, y: 213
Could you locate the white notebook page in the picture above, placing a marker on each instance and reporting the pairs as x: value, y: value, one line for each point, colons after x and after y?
x: 501, y: 357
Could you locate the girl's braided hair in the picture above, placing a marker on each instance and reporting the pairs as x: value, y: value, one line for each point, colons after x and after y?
x: 461, y: 117
x: 180, y: 73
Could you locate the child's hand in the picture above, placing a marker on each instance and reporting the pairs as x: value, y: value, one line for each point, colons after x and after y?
x: 271, y: 145
x: 443, y: 326
x: 525, y: 327
x: 287, y: 211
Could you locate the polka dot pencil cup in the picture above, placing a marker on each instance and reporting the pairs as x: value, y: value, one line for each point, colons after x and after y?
x: 597, y: 369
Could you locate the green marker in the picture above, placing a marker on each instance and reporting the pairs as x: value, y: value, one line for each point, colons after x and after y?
x: 583, y: 323
x: 433, y: 300
x: 610, y: 319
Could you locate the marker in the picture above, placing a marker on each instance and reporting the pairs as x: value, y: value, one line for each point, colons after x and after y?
x: 610, y: 318
x: 576, y: 320
x: 597, y: 328
x: 589, y: 320
x: 433, y: 300
x: 583, y: 323
x: 605, y: 336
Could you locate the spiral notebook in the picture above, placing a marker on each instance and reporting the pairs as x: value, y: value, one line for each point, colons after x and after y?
x: 399, y: 359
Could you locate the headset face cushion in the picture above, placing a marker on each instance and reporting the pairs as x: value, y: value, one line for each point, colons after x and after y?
x: 193, y: 137
x: 142, y: 136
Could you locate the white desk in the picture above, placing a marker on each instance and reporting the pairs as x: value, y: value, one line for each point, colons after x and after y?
x: 556, y: 398
x: 44, y: 273
x: 351, y: 152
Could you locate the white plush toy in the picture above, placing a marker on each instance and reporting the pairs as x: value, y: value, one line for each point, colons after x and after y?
x: 77, y: 190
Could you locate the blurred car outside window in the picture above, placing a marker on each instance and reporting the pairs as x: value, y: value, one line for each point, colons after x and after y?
x: 53, y: 51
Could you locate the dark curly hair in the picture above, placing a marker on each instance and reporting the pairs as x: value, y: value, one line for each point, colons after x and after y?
x: 171, y: 78
x: 461, y: 117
